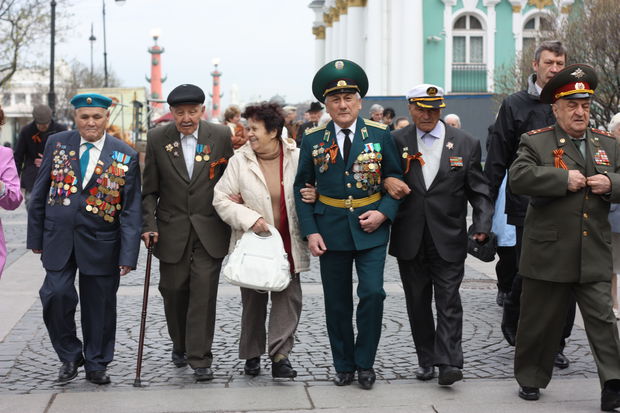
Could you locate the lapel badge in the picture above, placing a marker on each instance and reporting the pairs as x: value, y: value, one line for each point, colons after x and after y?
x: 169, y: 147
x: 456, y: 161
x: 562, y: 140
x: 578, y: 73
x: 175, y: 154
x: 449, y: 145
x: 364, y: 132
x: 175, y: 144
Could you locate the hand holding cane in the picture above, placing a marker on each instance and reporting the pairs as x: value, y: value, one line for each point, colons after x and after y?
x: 145, y: 300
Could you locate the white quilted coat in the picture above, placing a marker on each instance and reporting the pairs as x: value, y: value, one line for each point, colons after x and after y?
x: 244, y: 176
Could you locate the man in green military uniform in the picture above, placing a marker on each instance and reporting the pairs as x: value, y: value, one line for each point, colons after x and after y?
x: 347, y: 160
x: 571, y: 173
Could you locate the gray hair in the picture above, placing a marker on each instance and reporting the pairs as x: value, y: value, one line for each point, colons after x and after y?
x: 554, y: 46
x: 614, y: 123
x: 454, y: 117
x: 376, y: 108
x: 289, y: 109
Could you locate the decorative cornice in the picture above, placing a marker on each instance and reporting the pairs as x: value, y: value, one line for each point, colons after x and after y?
x: 335, y: 13
x: 328, y: 19
x: 319, y: 32
x: 516, y: 9
x: 357, y: 3
x: 567, y: 9
x: 540, y: 4
x: 342, y: 6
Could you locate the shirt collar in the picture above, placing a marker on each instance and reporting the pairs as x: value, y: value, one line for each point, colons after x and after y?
x: 436, y: 133
x: 194, y: 134
x: 97, y: 144
x: 538, y: 88
x: 337, y: 128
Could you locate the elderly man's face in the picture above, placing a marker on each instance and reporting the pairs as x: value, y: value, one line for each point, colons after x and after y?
x: 315, y: 116
x: 91, y: 122
x: 343, y: 108
x: 548, y: 66
x: 187, y: 117
x: 425, y: 119
x: 572, y: 115
x: 377, y: 116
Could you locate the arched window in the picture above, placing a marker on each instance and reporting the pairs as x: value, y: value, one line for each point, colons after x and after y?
x: 536, y: 28
x: 469, y: 71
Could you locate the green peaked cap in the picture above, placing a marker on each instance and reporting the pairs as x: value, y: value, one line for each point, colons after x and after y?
x: 339, y: 76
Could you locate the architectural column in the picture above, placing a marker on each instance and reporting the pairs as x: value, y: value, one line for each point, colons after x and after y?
x: 329, y: 36
x: 393, y: 47
x: 372, y: 54
x: 333, y: 11
x: 491, y: 32
x: 319, y: 46
x: 412, y: 47
x: 447, y: 25
x: 341, y: 5
x: 517, y: 24
x: 356, y: 30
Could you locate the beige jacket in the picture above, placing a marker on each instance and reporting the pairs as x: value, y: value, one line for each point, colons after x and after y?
x: 244, y: 176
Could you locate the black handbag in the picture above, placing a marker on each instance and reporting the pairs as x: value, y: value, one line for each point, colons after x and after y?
x: 484, y: 251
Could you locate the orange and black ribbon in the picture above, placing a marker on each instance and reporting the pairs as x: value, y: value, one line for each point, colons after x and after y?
x: 221, y: 161
x: 36, y: 138
x: 418, y: 157
x: 333, y: 152
x: 557, y: 159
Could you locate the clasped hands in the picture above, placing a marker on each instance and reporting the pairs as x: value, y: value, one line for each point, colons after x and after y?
x: 599, y: 184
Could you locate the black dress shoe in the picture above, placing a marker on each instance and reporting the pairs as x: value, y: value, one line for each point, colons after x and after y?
x: 561, y: 361
x: 610, y: 398
x: 252, y: 366
x: 203, y: 373
x: 344, y: 378
x: 282, y: 369
x: 448, y: 375
x: 529, y: 393
x: 425, y: 373
x: 98, y: 377
x: 179, y: 358
x: 501, y: 297
x: 366, y: 378
x: 69, y: 370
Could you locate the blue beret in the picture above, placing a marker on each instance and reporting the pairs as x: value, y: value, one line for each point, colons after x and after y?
x: 186, y: 94
x: 91, y: 100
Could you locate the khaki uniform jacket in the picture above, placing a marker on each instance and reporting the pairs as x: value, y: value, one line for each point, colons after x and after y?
x: 173, y: 203
x: 567, y: 236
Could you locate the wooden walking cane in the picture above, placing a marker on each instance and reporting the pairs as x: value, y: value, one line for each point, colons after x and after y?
x: 145, y: 301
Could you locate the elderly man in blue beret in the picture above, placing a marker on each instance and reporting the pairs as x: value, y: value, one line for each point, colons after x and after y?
x: 85, y: 215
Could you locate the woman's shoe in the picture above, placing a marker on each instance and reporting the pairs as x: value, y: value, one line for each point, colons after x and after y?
x: 252, y: 366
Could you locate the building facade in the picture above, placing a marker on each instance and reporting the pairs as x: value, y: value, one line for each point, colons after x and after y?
x: 456, y: 44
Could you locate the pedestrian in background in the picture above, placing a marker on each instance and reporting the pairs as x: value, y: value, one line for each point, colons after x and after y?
x: 30, y: 146
x: 376, y: 113
x: 290, y: 121
x: 571, y: 174
x: 388, y: 118
x: 401, y: 122
x: 85, y: 216
x: 519, y: 113
x: 429, y: 235
x: 232, y: 115
x: 184, y: 161
x: 314, y: 113
x: 452, y: 119
x: 10, y: 195
x: 347, y: 159
x: 256, y: 190
x: 614, y: 220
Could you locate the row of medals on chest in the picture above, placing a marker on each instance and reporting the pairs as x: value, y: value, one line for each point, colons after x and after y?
x: 64, y: 181
x: 104, y: 200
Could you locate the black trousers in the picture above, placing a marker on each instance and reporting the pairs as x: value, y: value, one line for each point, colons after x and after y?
x: 98, y: 306
x: 506, y: 267
x: 513, y: 301
x: 426, y: 275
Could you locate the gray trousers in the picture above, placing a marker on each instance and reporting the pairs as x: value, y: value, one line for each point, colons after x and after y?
x: 544, y: 306
x: 283, y: 320
x: 189, y: 289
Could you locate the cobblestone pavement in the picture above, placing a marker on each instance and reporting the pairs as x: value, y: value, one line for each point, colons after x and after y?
x: 28, y: 363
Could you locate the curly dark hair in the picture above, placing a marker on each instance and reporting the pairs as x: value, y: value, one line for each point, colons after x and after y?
x: 269, y: 113
x: 1, y: 117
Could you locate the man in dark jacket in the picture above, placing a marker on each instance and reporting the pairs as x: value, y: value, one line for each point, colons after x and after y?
x: 30, y: 145
x: 519, y: 113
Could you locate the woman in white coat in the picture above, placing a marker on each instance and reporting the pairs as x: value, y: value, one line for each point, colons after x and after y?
x: 255, y: 190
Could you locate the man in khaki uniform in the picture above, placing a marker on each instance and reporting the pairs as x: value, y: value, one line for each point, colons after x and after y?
x: 571, y: 173
x: 184, y: 161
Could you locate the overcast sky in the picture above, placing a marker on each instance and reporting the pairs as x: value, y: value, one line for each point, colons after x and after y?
x: 266, y: 47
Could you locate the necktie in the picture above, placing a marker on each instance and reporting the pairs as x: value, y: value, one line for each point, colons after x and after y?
x: 347, y: 145
x: 580, y: 146
x: 85, y: 158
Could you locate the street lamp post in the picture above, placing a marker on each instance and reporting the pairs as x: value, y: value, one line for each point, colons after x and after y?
x: 91, y: 39
x: 51, y: 96
x: 105, y: 48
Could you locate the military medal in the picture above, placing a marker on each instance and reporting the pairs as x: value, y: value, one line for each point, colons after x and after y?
x: 202, y: 152
x: 449, y: 145
x: 456, y: 161
x: 600, y: 158
x: 168, y: 147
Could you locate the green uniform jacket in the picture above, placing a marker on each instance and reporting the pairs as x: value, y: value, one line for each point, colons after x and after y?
x: 567, y: 236
x: 340, y: 227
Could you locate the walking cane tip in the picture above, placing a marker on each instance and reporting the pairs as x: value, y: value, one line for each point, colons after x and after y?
x: 137, y: 383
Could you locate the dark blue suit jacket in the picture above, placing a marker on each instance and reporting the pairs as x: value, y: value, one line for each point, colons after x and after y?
x: 70, y: 227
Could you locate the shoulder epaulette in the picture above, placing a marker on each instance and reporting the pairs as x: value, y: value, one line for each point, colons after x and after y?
x: 541, y: 130
x: 315, y: 129
x: 375, y: 124
x: 602, y: 132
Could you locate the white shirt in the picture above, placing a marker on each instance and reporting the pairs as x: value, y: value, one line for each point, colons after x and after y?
x: 340, y: 136
x: 94, y: 154
x: 431, y: 153
x: 188, y: 143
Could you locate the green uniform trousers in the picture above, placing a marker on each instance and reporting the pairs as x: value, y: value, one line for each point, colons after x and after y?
x: 544, y: 305
x: 349, y: 353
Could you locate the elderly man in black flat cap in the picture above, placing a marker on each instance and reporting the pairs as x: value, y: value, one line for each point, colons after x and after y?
x: 571, y: 174
x: 315, y: 111
x: 184, y: 161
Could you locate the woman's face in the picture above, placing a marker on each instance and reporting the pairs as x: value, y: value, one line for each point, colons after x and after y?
x: 259, y: 137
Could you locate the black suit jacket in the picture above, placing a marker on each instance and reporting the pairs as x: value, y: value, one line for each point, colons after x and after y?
x: 443, y: 207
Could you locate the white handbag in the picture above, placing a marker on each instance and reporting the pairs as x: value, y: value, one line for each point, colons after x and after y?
x: 259, y: 262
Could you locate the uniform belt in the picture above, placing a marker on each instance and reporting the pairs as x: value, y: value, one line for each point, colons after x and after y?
x: 350, y: 202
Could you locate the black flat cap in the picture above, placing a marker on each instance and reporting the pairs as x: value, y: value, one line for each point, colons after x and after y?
x: 186, y: 94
